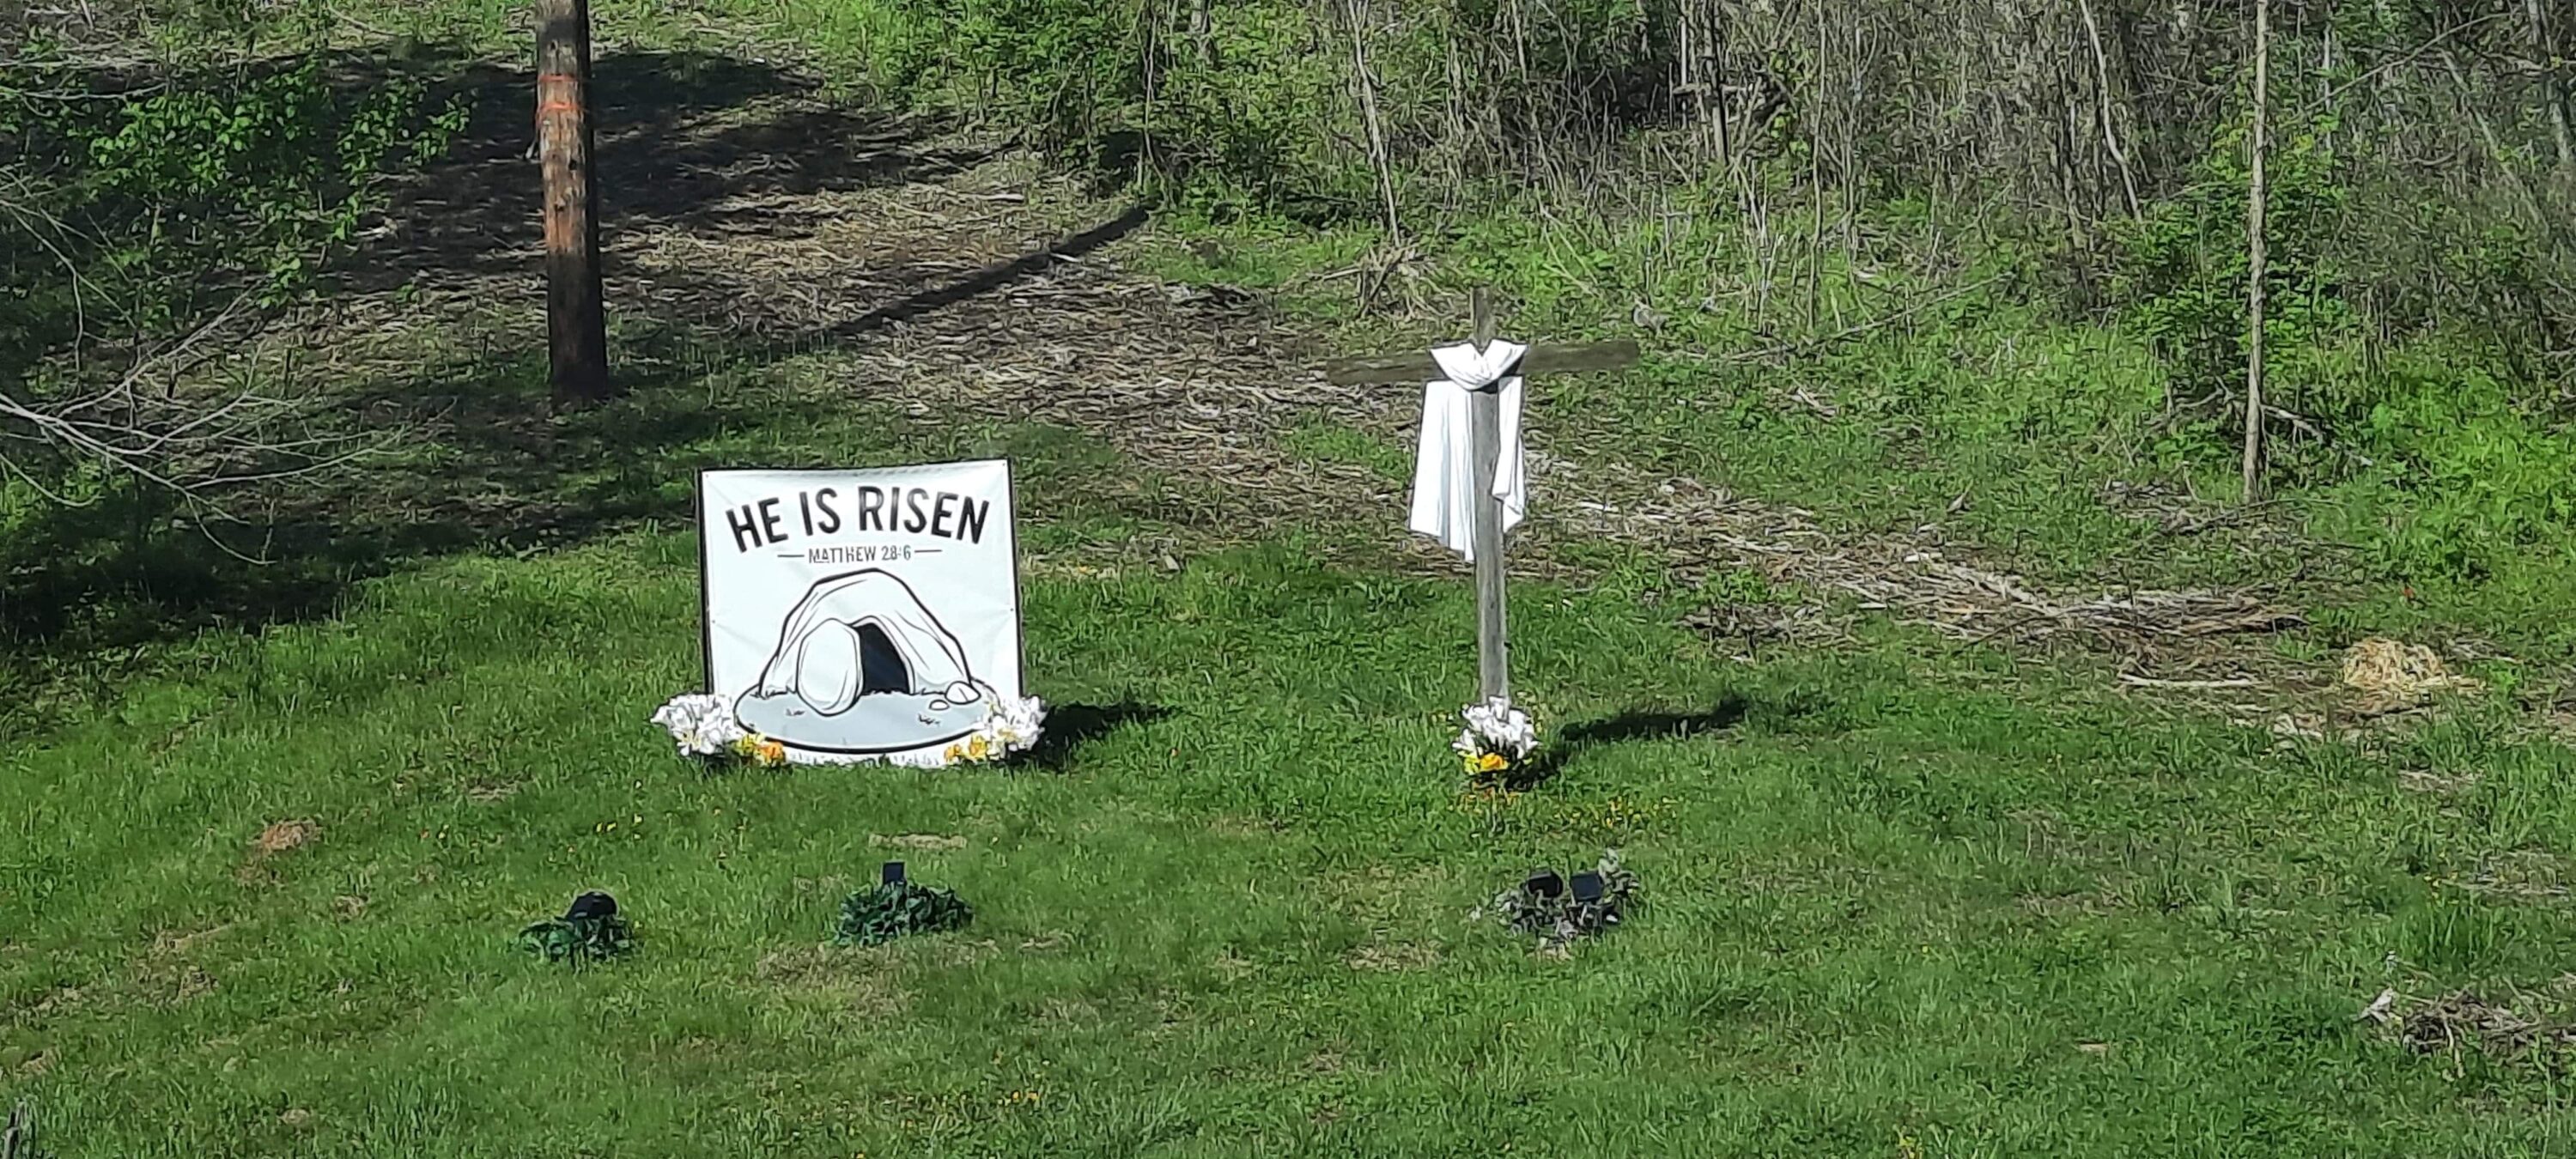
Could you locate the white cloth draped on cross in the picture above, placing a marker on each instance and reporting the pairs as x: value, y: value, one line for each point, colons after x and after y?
x: 1471, y: 399
x: 1444, y: 465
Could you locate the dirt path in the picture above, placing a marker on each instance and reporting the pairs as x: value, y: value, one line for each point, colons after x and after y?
x: 967, y: 279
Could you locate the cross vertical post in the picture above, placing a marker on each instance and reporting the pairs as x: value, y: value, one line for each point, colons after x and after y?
x: 1493, y: 659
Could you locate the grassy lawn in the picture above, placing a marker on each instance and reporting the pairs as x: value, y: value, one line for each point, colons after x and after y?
x: 1890, y: 909
x: 1901, y: 896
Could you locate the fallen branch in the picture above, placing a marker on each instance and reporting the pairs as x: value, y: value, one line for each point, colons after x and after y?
x: 189, y: 443
x: 2135, y: 681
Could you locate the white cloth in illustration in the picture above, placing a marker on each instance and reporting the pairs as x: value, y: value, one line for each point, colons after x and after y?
x: 1444, y: 469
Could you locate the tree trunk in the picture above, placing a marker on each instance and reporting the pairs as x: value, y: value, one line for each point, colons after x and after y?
x: 2149, y: 121
x: 2254, y: 215
x: 1715, y: 76
x: 1379, y: 156
x: 2110, y: 129
x: 1815, y: 131
x: 1703, y: 59
x: 576, y: 324
x: 2079, y: 239
x: 2553, y: 88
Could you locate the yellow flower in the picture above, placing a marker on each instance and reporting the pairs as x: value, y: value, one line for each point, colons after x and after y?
x: 770, y: 752
x: 973, y: 748
x: 1492, y: 763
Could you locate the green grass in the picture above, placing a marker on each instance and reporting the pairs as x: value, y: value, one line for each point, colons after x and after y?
x: 1900, y: 898
x: 1883, y: 903
x: 1319, y: 440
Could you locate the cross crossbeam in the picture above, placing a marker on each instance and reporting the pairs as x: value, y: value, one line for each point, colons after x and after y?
x: 1542, y: 358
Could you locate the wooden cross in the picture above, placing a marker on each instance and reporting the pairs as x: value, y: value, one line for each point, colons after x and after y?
x: 1493, y: 667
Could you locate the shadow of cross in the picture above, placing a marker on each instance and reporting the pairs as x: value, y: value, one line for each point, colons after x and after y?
x: 1493, y: 666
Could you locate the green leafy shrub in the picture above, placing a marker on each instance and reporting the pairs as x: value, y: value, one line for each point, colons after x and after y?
x: 2184, y: 271
x: 1055, y: 63
x: 2473, y: 484
x: 145, y: 204
x: 222, y: 181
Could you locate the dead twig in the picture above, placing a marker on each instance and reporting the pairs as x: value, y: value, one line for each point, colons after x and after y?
x: 2135, y: 681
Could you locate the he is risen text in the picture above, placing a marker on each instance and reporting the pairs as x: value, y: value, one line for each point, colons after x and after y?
x: 826, y: 511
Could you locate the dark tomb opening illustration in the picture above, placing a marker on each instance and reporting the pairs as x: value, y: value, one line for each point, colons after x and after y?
x: 862, y: 666
x: 881, y: 667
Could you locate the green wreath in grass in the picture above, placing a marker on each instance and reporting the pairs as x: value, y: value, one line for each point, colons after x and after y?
x: 589, y: 932
x: 896, y: 908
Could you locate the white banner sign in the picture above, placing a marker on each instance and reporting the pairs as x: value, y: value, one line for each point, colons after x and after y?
x: 856, y: 615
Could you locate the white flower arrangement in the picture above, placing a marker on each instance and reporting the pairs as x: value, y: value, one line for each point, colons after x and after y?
x: 1497, y: 737
x: 1010, y: 726
x: 703, y: 727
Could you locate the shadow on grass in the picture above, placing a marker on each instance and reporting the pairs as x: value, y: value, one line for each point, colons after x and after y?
x: 485, y: 464
x: 481, y: 463
x: 1626, y: 727
x: 1071, y: 726
x: 713, y: 143
x: 995, y: 276
x: 475, y: 460
x: 479, y: 466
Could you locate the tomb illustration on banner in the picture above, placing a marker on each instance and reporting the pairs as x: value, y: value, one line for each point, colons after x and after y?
x: 862, y: 665
x: 864, y: 614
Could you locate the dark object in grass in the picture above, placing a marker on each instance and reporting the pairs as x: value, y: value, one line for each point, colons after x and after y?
x: 1558, y: 910
x: 18, y: 1141
x: 590, y: 931
x: 892, y: 874
x: 896, y: 908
